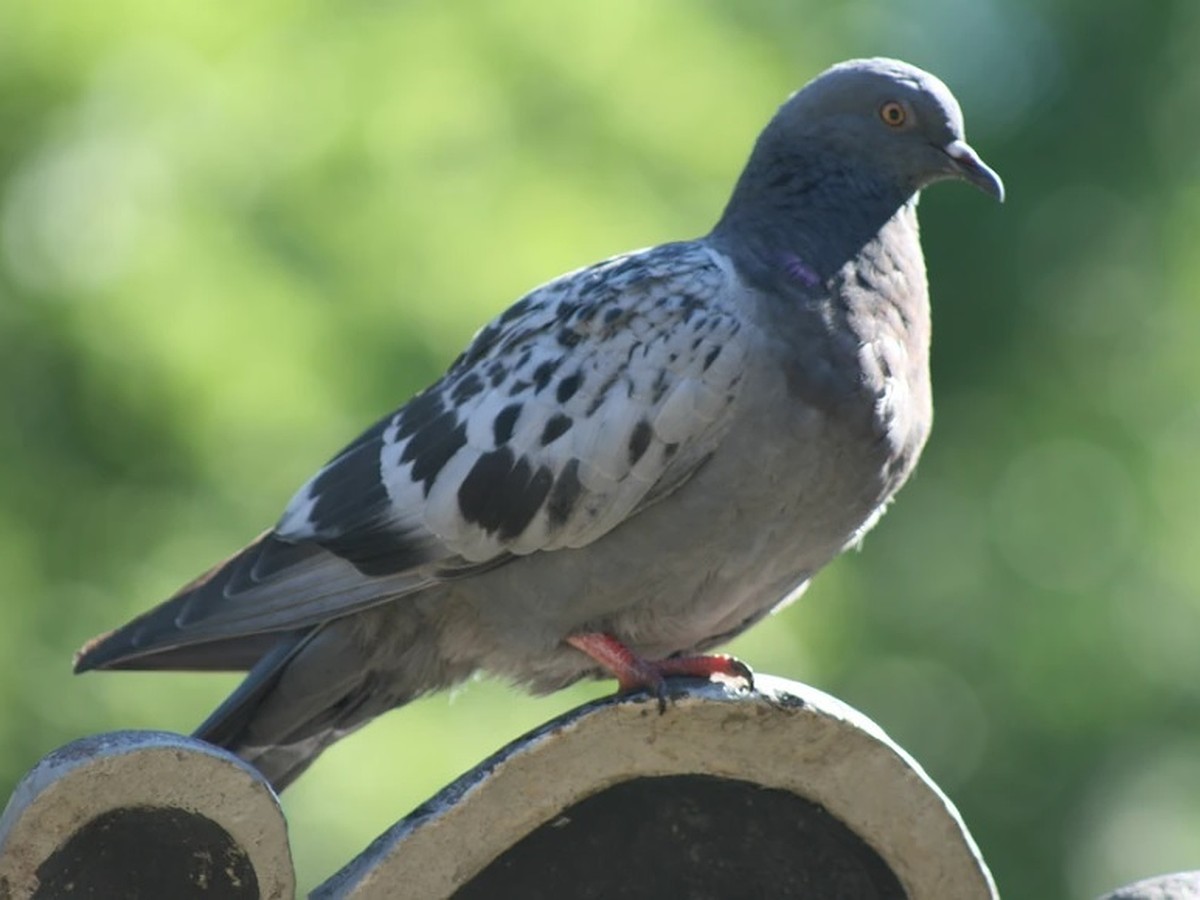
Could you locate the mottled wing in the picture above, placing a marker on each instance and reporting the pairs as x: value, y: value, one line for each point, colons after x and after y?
x: 587, y: 400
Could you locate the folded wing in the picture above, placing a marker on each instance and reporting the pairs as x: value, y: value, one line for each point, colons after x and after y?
x: 588, y: 400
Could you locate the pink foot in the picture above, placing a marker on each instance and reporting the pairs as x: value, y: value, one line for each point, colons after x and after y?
x: 635, y: 673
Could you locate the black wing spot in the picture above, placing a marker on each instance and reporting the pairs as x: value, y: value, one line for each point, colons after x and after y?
x: 568, y: 337
x: 476, y: 493
x: 468, y: 386
x: 544, y: 373
x: 556, y: 427
x: 502, y: 494
x: 565, y: 494
x: 659, y: 388
x: 497, y: 372
x: 601, y: 395
x: 639, y: 441
x: 423, y: 408
x: 595, y: 283
x: 432, y: 447
x: 347, y: 490
x: 483, y: 344
x: 628, y: 265
x: 711, y: 357
x: 518, y: 498
x: 568, y: 386
x: 691, y: 304
x: 515, y: 311
x: 505, y: 422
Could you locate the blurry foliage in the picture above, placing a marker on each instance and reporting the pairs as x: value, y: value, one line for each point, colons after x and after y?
x: 230, y: 236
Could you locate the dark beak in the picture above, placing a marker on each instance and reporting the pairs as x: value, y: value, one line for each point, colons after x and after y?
x: 966, y: 164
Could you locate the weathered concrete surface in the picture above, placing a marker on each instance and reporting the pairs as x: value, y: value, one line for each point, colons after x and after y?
x: 783, y: 736
x: 146, y: 814
x: 1179, y: 886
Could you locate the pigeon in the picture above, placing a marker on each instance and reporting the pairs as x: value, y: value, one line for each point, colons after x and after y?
x: 634, y: 463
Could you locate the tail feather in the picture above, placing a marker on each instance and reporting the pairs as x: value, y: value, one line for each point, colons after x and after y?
x: 300, y: 621
x: 311, y: 689
x: 225, y: 723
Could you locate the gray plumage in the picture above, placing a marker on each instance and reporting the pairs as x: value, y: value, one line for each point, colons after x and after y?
x: 662, y: 447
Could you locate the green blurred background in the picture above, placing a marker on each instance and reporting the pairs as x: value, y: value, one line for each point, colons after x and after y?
x: 231, y: 235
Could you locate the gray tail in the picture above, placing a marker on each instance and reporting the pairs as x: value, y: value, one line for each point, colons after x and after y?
x: 312, y: 688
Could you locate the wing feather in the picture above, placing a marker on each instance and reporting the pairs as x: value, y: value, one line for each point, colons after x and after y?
x: 591, y: 398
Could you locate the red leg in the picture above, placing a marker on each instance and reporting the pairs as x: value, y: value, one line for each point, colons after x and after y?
x: 633, y: 672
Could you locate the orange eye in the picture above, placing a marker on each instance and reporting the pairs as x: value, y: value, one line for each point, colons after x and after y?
x: 893, y: 114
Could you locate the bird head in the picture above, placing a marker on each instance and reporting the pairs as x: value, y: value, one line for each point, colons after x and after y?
x: 885, y: 117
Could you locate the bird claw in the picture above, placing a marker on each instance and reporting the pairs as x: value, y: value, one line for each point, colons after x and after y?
x: 633, y: 673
